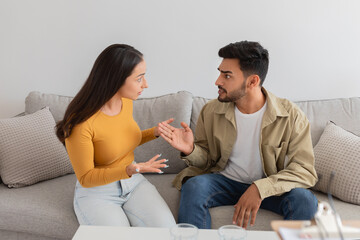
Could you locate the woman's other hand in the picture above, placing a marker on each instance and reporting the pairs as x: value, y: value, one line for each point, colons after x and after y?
x: 180, y: 138
x: 151, y: 166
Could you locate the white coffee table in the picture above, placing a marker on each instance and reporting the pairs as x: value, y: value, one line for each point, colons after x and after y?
x: 141, y: 233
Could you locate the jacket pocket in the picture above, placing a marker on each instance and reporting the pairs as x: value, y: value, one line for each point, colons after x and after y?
x: 273, y: 157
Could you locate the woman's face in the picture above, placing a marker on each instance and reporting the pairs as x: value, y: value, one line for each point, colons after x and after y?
x: 135, y: 83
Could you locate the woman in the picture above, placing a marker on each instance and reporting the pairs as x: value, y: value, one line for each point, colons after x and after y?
x: 100, y: 135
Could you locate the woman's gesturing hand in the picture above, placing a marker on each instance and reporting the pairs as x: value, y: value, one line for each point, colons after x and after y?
x: 180, y: 138
x: 157, y: 131
x: 151, y: 166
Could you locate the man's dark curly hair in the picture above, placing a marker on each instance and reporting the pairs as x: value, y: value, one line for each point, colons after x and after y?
x: 253, y: 58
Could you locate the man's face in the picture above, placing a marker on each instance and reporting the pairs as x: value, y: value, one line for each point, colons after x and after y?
x: 231, y: 81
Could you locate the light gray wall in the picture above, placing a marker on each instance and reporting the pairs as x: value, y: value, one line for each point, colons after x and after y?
x: 50, y: 45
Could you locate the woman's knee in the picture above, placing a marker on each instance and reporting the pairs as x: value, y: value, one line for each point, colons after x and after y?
x: 146, y: 207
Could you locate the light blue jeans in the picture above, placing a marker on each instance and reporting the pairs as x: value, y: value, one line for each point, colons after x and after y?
x: 129, y: 202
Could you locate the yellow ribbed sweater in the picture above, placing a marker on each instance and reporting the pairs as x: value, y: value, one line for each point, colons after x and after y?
x: 103, y: 146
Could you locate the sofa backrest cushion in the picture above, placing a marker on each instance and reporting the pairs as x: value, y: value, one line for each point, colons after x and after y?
x: 148, y: 112
x: 197, y: 105
x: 56, y: 103
x: 344, y: 112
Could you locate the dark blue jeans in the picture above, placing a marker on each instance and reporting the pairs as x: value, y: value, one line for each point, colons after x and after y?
x: 202, y: 192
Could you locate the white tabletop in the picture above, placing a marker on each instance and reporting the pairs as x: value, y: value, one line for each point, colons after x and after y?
x: 141, y: 233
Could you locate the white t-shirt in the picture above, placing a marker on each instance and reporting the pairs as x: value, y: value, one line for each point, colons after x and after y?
x: 245, y: 164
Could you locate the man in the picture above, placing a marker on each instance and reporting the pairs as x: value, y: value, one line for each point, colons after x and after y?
x: 252, y: 149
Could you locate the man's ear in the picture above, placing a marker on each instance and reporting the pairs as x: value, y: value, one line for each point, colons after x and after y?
x: 253, y: 81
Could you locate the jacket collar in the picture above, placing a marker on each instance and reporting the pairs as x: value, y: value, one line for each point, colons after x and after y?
x: 274, y: 109
x: 228, y: 109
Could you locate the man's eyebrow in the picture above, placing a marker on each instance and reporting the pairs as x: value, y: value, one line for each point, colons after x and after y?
x: 224, y: 71
x: 140, y: 75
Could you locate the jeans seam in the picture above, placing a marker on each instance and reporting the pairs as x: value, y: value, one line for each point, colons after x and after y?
x: 127, y: 199
x: 130, y: 213
x: 290, y: 209
x: 132, y: 189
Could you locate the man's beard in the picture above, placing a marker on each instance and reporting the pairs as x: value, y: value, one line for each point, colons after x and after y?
x: 234, y: 95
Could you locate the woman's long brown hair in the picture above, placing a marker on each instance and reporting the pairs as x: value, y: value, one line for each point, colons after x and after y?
x: 107, y: 76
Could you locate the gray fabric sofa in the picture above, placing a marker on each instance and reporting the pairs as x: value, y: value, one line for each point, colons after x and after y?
x: 45, y: 210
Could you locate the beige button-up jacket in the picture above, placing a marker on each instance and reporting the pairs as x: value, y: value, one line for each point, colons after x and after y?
x: 285, y: 145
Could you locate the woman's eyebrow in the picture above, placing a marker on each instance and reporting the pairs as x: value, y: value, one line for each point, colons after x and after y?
x: 142, y: 74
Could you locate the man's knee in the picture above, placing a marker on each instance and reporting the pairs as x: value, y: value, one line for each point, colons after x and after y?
x: 304, y: 203
x: 196, y: 185
x: 196, y: 190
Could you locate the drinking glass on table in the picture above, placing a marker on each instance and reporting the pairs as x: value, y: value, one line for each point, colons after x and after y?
x: 232, y: 232
x: 184, y: 231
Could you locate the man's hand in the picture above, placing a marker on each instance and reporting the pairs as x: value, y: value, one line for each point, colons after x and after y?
x: 248, y: 205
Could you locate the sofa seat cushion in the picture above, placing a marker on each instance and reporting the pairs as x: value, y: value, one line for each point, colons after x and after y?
x: 347, y: 211
x: 44, y: 209
x: 10, y: 235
